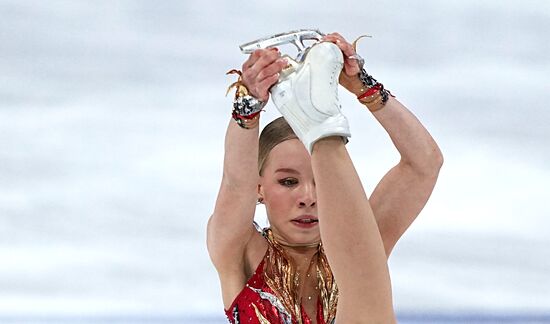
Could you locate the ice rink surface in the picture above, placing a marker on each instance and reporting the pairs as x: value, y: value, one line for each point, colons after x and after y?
x: 112, y: 117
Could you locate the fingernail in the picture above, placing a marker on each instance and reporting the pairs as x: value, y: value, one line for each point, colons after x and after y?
x: 274, y: 49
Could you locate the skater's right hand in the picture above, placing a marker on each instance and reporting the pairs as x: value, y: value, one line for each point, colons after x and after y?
x: 261, y: 71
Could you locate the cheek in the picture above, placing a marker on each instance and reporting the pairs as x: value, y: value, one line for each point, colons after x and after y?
x: 279, y: 198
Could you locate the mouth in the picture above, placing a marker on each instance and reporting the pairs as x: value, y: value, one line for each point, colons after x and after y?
x: 305, y: 221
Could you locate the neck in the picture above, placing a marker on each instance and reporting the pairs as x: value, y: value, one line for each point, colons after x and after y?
x: 298, y: 251
x: 300, y: 245
x: 295, y: 246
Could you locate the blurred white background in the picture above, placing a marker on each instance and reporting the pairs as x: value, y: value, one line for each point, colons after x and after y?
x: 112, y: 117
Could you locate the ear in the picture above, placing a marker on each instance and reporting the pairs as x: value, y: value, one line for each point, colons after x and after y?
x: 260, y: 193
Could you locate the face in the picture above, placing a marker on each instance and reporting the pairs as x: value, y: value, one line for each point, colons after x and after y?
x: 288, y: 191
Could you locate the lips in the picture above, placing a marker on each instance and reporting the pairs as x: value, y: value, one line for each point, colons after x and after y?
x: 306, y: 221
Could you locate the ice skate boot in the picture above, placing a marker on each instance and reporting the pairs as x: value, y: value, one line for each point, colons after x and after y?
x: 307, y: 95
x: 307, y: 91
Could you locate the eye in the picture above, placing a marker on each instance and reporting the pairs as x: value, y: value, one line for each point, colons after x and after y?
x: 288, y: 182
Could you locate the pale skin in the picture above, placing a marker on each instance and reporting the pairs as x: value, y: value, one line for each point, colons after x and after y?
x: 358, y: 233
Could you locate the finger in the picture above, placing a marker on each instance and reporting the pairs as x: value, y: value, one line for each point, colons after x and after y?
x: 252, y: 58
x: 338, y: 35
x: 258, y: 55
x: 266, y: 57
x: 344, y: 46
x: 351, y: 62
x: 333, y: 34
x: 347, y: 49
x: 272, y: 69
x: 250, y: 74
x: 262, y: 90
x: 351, y: 67
x: 269, y: 76
x: 329, y: 38
x: 268, y: 82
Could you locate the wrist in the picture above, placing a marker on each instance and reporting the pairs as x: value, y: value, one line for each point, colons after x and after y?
x: 247, y: 122
x: 352, y: 83
x: 375, y: 96
x: 246, y: 108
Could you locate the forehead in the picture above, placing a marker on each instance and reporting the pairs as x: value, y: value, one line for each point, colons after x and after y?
x: 288, y: 154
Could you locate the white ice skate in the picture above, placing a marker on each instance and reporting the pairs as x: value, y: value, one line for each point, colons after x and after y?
x: 307, y: 91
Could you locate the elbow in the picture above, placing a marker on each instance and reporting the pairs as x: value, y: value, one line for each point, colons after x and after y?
x: 437, y: 158
x: 433, y: 162
x: 429, y: 164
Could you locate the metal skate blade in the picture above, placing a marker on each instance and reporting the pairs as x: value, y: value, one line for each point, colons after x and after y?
x: 295, y: 37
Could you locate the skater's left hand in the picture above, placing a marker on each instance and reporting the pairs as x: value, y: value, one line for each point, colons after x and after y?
x: 351, y: 65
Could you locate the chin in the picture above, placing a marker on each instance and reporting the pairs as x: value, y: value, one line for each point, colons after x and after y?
x: 298, y: 236
x: 306, y: 238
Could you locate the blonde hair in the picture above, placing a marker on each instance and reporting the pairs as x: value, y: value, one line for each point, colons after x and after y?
x: 274, y: 133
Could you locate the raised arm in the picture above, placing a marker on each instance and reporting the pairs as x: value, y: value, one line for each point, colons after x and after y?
x: 230, y: 226
x: 404, y: 190
x: 231, y: 221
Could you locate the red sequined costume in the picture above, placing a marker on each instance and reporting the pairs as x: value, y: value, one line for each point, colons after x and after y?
x: 259, y: 303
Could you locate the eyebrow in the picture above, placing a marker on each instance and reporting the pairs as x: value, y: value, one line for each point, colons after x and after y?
x: 288, y: 170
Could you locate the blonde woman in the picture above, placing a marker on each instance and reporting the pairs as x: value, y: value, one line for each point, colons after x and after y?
x: 323, y: 257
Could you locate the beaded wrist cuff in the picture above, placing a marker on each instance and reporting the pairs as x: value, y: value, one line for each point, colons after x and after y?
x: 371, y: 84
x: 246, y: 108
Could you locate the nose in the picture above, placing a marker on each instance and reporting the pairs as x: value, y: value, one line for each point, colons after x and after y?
x: 308, y: 197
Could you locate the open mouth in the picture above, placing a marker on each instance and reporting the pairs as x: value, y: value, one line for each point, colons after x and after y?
x: 305, y: 221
